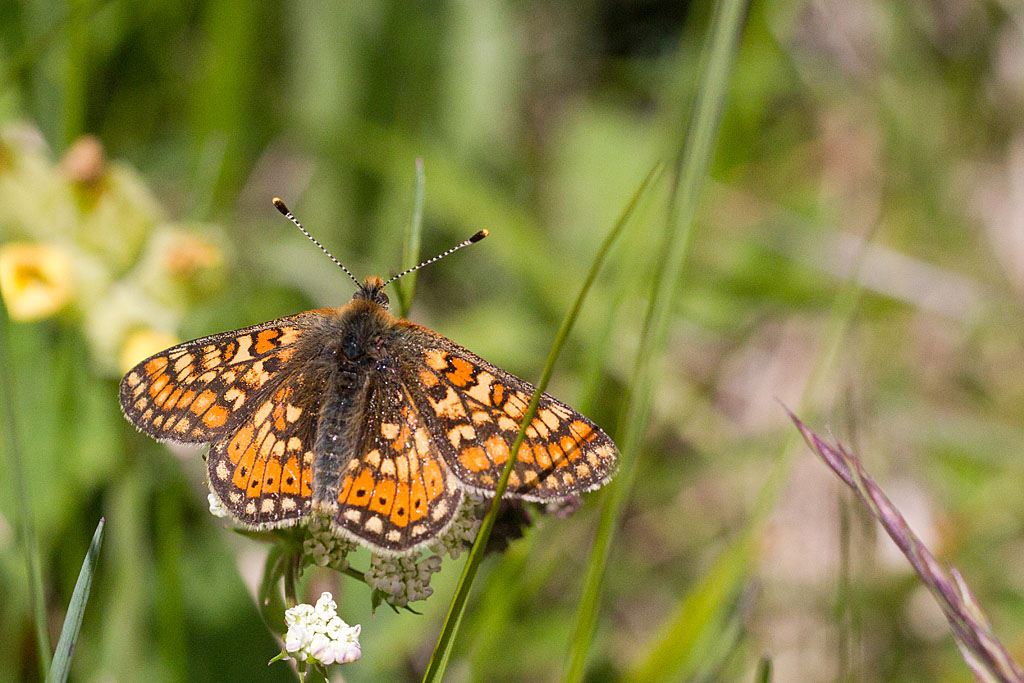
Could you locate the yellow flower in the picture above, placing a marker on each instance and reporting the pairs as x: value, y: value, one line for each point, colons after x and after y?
x: 142, y: 344
x: 36, y: 280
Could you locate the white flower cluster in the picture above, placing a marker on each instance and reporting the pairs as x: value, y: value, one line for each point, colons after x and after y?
x: 462, y: 532
x: 324, y: 547
x: 217, y: 508
x: 402, y: 579
x: 318, y: 635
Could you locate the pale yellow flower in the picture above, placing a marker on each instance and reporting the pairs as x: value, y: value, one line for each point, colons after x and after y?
x: 36, y: 280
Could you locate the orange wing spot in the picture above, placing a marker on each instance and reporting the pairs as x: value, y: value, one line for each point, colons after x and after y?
x: 582, y: 430
x: 497, y: 449
x: 362, y: 487
x: 540, y: 454
x: 474, y: 459
x: 383, y: 497
x: 449, y: 407
x: 239, y: 443
x: 244, y: 469
x: 497, y: 394
x: 435, y: 358
x: 216, y: 417
x: 428, y: 379
x: 400, y: 510
x: 290, y: 476
x: 155, y: 365
x: 432, y: 478
x: 186, y: 398
x: 279, y: 423
x: 570, y: 447
x: 525, y: 454
x: 256, y: 480
x: 346, y: 488
x: 158, y: 384
x: 272, y: 477
x: 282, y: 394
x: 265, y: 340
x: 162, y: 396
x: 172, y: 400
x: 462, y: 373
x: 400, y: 442
x: 203, y: 401
x: 417, y: 501
x: 557, y: 455
x: 307, y: 482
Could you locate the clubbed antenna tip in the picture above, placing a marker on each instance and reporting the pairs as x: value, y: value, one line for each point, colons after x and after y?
x: 475, y: 238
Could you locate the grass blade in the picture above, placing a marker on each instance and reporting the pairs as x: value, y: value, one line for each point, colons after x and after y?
x: 411, y: 249
x: 691, y: 169
x: 26, y: 522
x: 446, y: 640
x: 76, y: 610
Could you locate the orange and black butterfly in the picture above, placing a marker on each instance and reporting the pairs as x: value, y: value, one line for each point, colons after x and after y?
x: 377, y: 423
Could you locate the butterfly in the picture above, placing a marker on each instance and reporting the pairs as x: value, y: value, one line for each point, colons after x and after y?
x: 377, y: 423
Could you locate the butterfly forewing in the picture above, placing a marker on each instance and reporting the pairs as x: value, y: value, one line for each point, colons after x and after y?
x: 475, y: 410
x: 202, y: 390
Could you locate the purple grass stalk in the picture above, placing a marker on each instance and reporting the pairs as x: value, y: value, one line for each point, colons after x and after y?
x: 981, y: 649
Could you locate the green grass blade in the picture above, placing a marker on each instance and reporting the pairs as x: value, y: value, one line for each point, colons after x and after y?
x: 411, y: 249
x: 446, y: 641
x: 26, y: 523
x: 76, y: 610
x: 691, y: 169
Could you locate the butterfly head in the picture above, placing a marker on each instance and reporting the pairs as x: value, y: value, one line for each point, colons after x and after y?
x: 372, y: 289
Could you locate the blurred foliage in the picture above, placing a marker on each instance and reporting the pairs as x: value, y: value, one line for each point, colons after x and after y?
x: 877, y: 141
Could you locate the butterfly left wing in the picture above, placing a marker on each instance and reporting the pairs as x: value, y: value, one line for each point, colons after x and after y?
x: 475, y: 409
x: 263, y: 471
x: 199, y: 391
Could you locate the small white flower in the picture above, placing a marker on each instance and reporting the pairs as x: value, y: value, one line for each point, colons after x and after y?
x: 317, y: 634
x: 217, y: 508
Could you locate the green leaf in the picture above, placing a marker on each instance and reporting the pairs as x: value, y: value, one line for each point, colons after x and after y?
x: 61, y: 665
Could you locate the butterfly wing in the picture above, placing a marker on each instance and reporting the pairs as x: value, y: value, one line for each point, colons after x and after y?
x: 475, y: 409
x: 263, y: 471
x: 199, y: 391
x: 254, y: 394
x: 396, y: 491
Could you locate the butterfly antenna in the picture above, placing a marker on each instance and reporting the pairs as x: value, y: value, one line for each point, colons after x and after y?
x: 475, y: 238
x: 280, y: 206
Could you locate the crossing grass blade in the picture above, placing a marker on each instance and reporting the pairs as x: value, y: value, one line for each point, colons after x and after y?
x: 411, y: 249
x: 61, y: 664
x: 446, y: 640
x: 690, y: 171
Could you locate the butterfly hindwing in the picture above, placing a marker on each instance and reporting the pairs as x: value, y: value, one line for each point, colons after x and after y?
x: 202, y: 390
x: 263, y: 471
x: 395, y: 492
x: 475, y: 409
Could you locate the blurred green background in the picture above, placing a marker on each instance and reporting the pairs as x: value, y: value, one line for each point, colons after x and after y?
x: 872, y: 151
